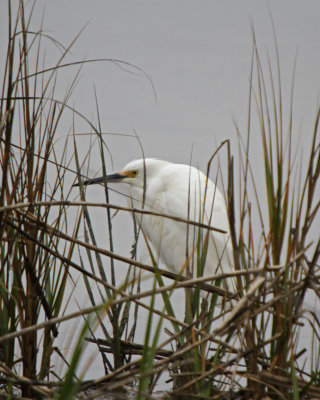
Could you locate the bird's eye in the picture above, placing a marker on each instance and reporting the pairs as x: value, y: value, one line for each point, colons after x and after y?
x: 133, y: 174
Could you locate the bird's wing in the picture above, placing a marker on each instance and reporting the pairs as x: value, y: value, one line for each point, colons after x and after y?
x: 184, y: 192
x: 180, y: 191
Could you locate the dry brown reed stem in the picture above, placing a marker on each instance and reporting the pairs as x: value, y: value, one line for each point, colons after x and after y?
x: 18, y: 379
x: 129, y: 260
x: 125, y: 297
x: 185, y: 282
x: 224, y: 326
x: 178, y: 355
x: 277, y: 379
x: 129, y: 347
x: 129, y: 376
x: 167, y: 274
x: 106, y: 205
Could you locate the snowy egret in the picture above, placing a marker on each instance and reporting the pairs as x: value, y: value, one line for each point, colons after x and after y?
x: 185, y: 192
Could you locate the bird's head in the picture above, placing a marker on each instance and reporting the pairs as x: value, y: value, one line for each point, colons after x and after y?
x: 135, y: 173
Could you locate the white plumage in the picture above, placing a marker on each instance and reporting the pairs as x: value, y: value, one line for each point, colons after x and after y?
x: 185, y: 192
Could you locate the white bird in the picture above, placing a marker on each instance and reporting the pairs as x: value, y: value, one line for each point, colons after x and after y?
x: 185, y: 192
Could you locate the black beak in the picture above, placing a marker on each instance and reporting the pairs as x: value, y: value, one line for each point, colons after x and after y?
x: 109, y: 178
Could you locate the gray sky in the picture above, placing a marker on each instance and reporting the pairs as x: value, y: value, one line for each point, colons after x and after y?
x: 198, y: 56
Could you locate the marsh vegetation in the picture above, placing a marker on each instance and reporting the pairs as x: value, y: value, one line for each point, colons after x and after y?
x: 48, y: 237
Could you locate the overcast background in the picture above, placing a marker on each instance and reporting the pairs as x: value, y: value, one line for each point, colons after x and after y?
x: 197, y: 55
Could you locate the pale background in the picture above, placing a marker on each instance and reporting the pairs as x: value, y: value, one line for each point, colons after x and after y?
x: 197, y: 55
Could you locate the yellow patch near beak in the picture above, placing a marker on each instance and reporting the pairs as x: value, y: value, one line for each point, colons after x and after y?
x: 129, y: 174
